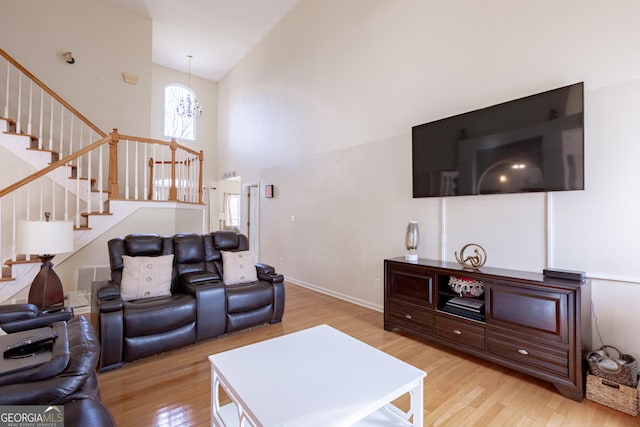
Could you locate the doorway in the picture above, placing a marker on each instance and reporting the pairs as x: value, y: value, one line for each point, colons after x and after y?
x: 253, y: 218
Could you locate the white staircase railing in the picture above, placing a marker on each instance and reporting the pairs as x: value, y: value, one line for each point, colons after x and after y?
x: 37, y: 111
x: 77, y: 167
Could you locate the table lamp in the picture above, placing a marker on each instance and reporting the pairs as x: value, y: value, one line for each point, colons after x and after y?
x: 45, y: 239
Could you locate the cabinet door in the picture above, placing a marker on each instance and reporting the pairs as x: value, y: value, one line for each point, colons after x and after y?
x: 527, y: 312
x: 409, y: 283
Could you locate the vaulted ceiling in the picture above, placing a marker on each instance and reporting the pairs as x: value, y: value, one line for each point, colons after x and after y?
x: 217, y: 33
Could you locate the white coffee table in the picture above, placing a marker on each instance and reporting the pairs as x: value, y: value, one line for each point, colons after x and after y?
x: 316, y: 377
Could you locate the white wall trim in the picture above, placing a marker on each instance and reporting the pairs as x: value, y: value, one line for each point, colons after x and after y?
x: 610, y: 278
x: 335, y: 294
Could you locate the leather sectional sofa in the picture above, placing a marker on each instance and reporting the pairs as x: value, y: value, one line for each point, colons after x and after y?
x: 200, y: 302
x: 68, y: 379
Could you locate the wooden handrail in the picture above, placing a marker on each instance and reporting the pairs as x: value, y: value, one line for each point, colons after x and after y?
x: 62, y: 162
x: 160, y: 142
x: 52, y: 93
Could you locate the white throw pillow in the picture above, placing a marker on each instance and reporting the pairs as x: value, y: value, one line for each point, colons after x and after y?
x: 146, y: 276
x: 238, y: 267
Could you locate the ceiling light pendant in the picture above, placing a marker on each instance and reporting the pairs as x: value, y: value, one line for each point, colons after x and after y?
x: 189, y: 106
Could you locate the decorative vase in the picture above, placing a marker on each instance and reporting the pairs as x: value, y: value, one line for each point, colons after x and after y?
x: 411, y: 241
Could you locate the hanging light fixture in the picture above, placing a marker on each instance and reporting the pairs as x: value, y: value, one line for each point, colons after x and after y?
x: 188, y: 106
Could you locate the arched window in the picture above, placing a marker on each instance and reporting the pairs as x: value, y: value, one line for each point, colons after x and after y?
x: 180, y: 113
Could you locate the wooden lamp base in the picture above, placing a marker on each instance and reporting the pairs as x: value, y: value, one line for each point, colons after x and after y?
x: 46, y: 289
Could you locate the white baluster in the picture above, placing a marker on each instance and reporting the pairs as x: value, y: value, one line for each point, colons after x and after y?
x: 41, y: 180
x: 78, y: 175
x: 70, y: 136
x: 28, y: 201
x: 163, y: 182
x: 61, y: 151
x: 53, y: 197
x: 136, y: 171
x: 154, y: 186
x: 29, y: 127
x: 194, y: 180
x: 6, y: 101
x: 145, y: 176
x: 126, y: 170
x: 41, y: 119
x: 89, y: 189
x: 66, y: 190
x: 77, y: 215
x: 51, y: 126
x: 100, y: 187
x: 19, y: 113
x: 13, y: 227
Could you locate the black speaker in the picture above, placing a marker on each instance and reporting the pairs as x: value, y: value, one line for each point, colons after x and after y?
x: 556, y: 273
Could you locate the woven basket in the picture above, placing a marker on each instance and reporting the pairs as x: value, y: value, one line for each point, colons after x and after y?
x: 604, y: 365
x: 613, y: 395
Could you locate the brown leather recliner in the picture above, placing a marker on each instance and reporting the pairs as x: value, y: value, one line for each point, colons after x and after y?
x: 19, y: 317
x: 69, y: 379
x: 200, y: 306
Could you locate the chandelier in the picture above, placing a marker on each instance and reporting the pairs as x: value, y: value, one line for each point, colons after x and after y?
x: 188, y: 106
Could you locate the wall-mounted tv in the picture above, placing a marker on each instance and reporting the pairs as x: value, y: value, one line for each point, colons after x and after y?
x: 529, y: 144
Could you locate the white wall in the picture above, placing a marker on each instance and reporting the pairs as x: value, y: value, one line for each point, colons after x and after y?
x: 105, y: 42
x: 206, y: 90
x: 323, y: 107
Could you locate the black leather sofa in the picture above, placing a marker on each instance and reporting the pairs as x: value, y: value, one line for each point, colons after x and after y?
x: 19, y: 317
x: 200, y: 305
x: 69, y: 379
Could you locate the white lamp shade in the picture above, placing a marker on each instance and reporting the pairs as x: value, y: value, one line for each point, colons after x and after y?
x: 44, y: 237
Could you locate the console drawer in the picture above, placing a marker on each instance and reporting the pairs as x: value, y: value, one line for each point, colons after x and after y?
x: 551, y: 359
x: 410, y: 316
x: 460, y: 331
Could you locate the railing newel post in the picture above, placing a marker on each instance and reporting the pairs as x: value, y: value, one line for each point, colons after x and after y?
x: 173, y: 191
x: 113, y: 165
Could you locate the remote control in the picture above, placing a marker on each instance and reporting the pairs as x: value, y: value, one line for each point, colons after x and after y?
x: 30, y: 345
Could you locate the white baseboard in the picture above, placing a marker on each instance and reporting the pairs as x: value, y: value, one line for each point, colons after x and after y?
x: 335, y: 294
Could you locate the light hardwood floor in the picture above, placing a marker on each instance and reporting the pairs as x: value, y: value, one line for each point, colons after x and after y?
x: 173, y: 389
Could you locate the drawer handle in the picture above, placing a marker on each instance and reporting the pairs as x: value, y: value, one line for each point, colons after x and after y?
x: 522, y: 351
x: 457, y: 332
x: 408, y: 316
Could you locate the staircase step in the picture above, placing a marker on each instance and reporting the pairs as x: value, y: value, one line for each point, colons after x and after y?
x: 10, y: 122
x: 92, y: 181
x: 73, y: 170
x: 55, y: 156
x: 82, y: 228
x: 6, y: 273
x: 31, y: 137
x: 87, y: 214
x: 33, y: 260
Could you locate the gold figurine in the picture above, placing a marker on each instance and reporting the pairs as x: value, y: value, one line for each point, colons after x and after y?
x: 473, y: 262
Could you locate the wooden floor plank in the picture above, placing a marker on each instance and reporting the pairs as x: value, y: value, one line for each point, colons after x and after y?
x: 173, y: 389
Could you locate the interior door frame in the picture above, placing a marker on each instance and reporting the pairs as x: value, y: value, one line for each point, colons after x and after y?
x: 252, y: 210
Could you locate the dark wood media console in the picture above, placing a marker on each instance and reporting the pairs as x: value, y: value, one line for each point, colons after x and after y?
x: 532, y: 324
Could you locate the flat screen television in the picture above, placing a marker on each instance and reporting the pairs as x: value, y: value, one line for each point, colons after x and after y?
x: 529, y: 144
